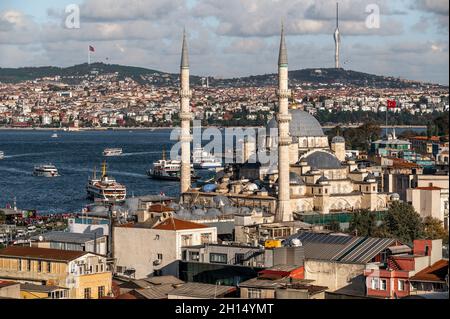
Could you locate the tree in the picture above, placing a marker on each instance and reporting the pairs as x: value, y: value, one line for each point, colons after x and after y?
x: 403, y: 222
x: 363, y: 223
x: 432, y: 229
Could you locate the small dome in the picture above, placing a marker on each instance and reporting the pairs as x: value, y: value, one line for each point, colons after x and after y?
x: 322, y: 180
x: 395, y: 197
x: 213, y: 212
x: 370, y: 177
x: 338, y: 139
x: 198, y: 212
x: 323, y: 160
x: 294, y: 179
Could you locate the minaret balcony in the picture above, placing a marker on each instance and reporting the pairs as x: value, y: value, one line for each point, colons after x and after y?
x: 284, y: 118
x: 185, y: 94
x: 284, y: 141
x: 284, y: 94
x: 185, y: 116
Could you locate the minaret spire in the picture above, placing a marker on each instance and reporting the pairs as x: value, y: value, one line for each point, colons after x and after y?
x: 283, y: 212
x: 185, y: 117
x: 337, y: 39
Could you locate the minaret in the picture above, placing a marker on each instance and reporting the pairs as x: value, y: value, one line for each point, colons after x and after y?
x: 185, y: 117
x: 337, y: 38
x: 284, y: 204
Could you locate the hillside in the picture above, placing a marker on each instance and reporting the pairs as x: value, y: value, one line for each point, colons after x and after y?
x: 305, y: 77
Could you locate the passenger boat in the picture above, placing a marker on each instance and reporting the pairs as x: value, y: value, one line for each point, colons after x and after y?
x: 204, y: 160
x: 47, y: 170
x: 105, y: 188
x: 112, y: 152
x: 168, y: 169
x: 2, y: 155
x: 54, y: 135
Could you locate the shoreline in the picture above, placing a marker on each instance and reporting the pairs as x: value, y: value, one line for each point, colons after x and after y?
x: 160, y: 128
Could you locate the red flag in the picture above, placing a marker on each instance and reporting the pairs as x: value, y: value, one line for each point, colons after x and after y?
x: 391, y: 104
x: 91, y: 48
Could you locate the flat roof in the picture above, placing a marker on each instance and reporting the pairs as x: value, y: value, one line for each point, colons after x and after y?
x: 41, y: 253
x: 67, y: 237
x: 199, y: 290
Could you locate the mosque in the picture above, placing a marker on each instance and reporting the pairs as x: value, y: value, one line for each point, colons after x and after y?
x: 310, y: 175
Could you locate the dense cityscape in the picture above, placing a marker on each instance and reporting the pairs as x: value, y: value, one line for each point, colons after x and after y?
x: 345, y: 197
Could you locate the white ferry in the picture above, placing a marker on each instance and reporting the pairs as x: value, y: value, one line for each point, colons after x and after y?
x: 105, y: 188
x: 2, y: 155
x: 168, y: 169
x: 54, y: 135
x: 204, y: 160
x: 112, y: 152
x: 48, y: 170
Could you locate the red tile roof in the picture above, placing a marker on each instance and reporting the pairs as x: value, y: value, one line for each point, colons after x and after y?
x: 178, y: 224
x: 41, y: 253
x: 429, y: 188
x: 435, y: 272
x: 4, y: 283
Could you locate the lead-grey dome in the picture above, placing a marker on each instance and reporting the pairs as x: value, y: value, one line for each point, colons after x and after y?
x: 323, y: 160
x: 294, y: 179
x: 302, y: 124
x: 338, y: 139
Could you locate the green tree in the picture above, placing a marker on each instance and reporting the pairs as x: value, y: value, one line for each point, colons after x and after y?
x: 363, y: 223
x: 403, y: 222
x: 433, y: 229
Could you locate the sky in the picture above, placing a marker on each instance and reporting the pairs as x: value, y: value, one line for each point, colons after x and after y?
x: 231, y: 38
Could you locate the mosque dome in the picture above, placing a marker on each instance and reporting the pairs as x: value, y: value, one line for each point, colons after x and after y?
x: 323, y: 160
x: 370, y: 178
x: 395, y: 197
x: 322, y: 180
x: 294, y: 179
x: 338, y: 139
x: 302, y: 124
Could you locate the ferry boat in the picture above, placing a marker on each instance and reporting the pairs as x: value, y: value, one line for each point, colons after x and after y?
x: 105, y: 188
x: 2, y: 155
x: 47, y: 170
x: 168, y: 169
x: 112, y: 152
x: 54, y: 135
x: 204, y: 160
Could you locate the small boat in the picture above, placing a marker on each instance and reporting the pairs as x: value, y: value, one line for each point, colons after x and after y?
x: 54, y: 135
x: 204, y: 160
x: 106, y: 188
x: 2, y: 155
x: 47, y: 170
x: 112, y: 152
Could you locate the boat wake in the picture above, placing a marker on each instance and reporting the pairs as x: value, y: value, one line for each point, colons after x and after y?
x: 28, y: 154
x: 14, y: 170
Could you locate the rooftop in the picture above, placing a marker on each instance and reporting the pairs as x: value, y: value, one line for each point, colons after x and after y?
x: 178, y: 224
x: 66, y: 237
x: 199, y: 290
x: 435, y: 272
x: 41, y: 253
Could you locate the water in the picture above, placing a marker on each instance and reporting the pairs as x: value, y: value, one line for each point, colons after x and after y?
x: 75, y: 154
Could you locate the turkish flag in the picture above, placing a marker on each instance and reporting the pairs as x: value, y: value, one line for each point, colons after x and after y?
x: 91, y: 48
x: 391, y: 104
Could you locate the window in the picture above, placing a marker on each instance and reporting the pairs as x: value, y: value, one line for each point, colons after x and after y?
x: 96, y: 268
x: 87, y: 293
x: 19, y: 265
x: 254, y: 293
x: 49, y: 267
x: 39, y: 266
x: 101, y: 291
x: 205, y: 238
x: 28, y: 265
x: 382, y: 284
x: 159, y: 256
x: 401, y: 285
x: 194, y: 256
x: 186, y: 240
x: 239, y: 259
x: 218, y: 258
x: 374, y: 283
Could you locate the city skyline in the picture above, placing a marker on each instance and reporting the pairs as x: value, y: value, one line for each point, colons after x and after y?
x: 238, y: 39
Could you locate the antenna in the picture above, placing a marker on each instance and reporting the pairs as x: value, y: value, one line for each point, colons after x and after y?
x: 164, y: 153
x: 337, y: 14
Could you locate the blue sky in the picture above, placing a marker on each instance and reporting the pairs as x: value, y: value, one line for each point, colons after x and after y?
x: 230, y: 38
